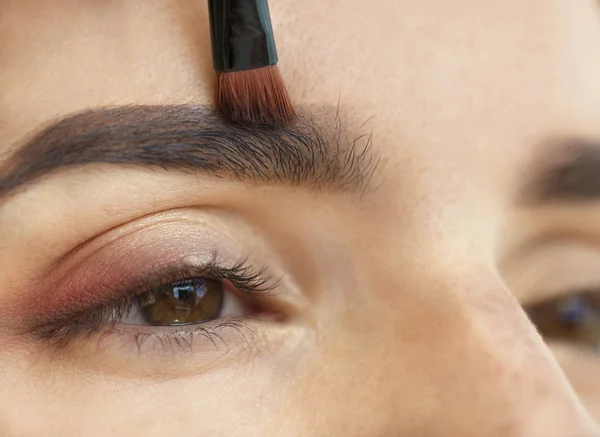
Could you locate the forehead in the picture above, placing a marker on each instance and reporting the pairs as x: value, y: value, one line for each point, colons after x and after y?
x: 438, y: 74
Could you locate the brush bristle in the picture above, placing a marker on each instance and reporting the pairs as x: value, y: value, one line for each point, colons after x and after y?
x: 255, y: 96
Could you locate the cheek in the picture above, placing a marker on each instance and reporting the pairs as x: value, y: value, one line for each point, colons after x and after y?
x: 583, y: 370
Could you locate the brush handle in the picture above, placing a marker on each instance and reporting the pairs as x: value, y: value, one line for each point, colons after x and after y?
x: 241, y: 35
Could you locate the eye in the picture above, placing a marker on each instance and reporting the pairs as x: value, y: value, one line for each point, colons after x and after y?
x: 188, y: 301
x: 573, y: 319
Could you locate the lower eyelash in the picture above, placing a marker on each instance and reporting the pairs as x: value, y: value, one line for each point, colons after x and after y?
x: 181, y: 339
x: 184, y: 339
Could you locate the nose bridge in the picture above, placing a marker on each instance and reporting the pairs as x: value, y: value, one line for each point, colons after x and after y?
x: 485, y: 368
x: 521, y: 373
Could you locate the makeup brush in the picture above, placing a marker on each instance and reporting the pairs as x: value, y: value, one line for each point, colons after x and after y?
x: 249, y: 87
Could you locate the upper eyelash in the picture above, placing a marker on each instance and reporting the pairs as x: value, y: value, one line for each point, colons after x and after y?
x: 253, y: 283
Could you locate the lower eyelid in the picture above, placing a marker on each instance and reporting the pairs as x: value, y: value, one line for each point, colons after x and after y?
x: 156, y: 352
x: 218, y: 336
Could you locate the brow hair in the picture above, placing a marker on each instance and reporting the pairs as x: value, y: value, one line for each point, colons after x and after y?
x: 569, y: 172
x: 316, y: 151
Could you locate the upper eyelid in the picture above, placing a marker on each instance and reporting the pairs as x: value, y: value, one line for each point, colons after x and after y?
x: 551, y: 265
x: 70, y: 283
x: 152, y: 244
x: 98, y: 241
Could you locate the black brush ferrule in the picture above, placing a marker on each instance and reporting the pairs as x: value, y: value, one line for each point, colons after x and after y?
x: 241, y: 35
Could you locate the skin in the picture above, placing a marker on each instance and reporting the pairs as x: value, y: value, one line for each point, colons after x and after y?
x: 404, y: 312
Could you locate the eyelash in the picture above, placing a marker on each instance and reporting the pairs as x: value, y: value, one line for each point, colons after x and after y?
x: 253, y: 284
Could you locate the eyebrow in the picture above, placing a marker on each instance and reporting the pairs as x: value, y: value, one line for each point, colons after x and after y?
x: 570, y: 173
x: 316, y: 151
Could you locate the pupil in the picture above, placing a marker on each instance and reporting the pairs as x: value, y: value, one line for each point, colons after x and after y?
x: 572, y: 311
x: 186, y: 292
x: 183, y: 302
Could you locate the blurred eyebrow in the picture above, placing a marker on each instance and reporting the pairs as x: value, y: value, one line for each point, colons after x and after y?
x: 315, y: 151
x: 570, y: 174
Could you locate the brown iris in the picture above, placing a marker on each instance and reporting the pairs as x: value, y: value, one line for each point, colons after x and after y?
x: 574, y: 319
x: 189, y: 301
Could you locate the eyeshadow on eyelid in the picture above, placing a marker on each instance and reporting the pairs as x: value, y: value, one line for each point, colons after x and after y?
x: 87, y: 277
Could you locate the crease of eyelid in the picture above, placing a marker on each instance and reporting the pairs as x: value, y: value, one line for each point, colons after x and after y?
x: 161, y: 219
x: 125, y: 234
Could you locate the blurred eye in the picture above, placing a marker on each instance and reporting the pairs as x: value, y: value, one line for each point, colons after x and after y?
x: 573, y: 319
